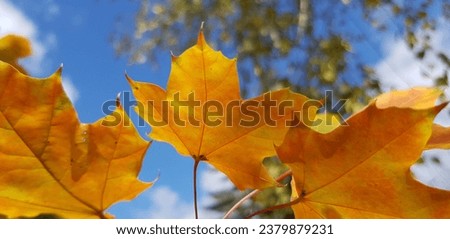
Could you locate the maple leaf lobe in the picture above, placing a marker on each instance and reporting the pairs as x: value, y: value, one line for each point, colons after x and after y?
x: 58, y: 165
x: 362, y: 170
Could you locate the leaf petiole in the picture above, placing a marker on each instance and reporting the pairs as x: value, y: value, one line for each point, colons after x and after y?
x: 196, y: 163
x: 254, y: 193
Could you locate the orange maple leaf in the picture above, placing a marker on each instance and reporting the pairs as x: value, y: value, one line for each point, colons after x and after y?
x: 12, y: 48
x: 419, y: 98
x: 440, y: 138
x: 50, y: 163
x: 363, y: 170
x: 203, y: 116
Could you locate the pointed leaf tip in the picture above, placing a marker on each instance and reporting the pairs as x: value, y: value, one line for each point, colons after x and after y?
x: 201, y: 39
x: 440, y: 138
x: 201, y: 25
x: 173, y: 56
x: 128, y: 78
x: 59, y: 70
x: 118, y: 100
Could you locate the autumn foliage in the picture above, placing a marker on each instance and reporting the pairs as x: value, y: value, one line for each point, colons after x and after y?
x: 50, y: 163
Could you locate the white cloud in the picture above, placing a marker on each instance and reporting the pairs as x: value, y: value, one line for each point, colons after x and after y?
x: 399, y: 69
x: 52, y: 9
x: 164, y: 202
x: 70, y: 89
x: 434, y: 173
x: 14, y: 21
x: 213, y: 181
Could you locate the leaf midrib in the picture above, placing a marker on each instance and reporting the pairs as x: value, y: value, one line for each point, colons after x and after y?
x: 40, y: 160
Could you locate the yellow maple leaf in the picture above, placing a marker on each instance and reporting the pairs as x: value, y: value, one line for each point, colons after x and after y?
x: 203, y: 116
x: 440, y: 138
x: 419, y: 98
x: 50, y: 163
x: 326, y: 122
x: 414, y: 98
x: 363, y: 170
x: 14, y: 47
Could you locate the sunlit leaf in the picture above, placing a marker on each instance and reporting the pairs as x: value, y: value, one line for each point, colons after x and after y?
x: 363, y: 170
x: 12, y: 48
x: 51, y: 164
x: 203, y: 116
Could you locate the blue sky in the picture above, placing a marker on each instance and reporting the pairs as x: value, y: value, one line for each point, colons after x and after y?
x: 76, y: 33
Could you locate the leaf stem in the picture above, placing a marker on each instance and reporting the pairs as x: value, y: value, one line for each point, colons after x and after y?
x: 195, y: 187
x: 254, y: 193
x: 238, y: 204
x: 276, y: 207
